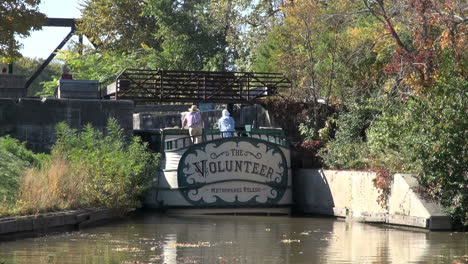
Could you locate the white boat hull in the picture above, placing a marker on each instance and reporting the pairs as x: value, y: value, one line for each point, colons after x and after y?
x: 229, y: 175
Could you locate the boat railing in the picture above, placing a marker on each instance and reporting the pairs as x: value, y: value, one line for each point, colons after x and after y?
x: 186, y: 141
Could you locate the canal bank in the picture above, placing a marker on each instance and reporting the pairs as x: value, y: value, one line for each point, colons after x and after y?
x: 30, y: 226
x: 342, y: 194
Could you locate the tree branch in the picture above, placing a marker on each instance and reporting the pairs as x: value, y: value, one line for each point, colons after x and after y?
x: 385, y: 18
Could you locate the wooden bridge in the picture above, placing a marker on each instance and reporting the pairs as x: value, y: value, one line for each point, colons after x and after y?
x: 196, y: 86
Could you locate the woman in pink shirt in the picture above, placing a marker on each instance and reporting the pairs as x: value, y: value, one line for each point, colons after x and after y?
x: 194, y: 122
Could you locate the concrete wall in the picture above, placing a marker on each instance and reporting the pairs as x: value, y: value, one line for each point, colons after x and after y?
x: 352, y: 194
x: 34, y: 120
x: 12, y: 86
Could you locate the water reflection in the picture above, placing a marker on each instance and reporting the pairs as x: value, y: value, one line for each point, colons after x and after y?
x: 152, y: 238
x: 169, y: 251
x: 361, y: 243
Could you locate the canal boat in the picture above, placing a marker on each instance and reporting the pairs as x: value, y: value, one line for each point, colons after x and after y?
x: 246, y: 173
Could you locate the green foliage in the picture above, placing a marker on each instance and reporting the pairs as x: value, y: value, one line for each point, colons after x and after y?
x: 17, y: 18
x: 326, y: 49
x: 15, y: 159
x: 49, y: 88
x: 93, y: 65
x: 309, y: 130
x: 27, y: 66
x: 180, y: 39
x: 181, y: 35
x: 269, y: 53
x: 348, y: 149
x: 189, y: 42
x: 118, y: 25
x: 116, y: 172
x: 427, y: 136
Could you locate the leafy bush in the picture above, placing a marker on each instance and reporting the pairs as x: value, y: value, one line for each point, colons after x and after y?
x: 309, y: 130
x: 89, y: 169
x: 348, y: 149
x: 117, y: 171
x: 427, y: 136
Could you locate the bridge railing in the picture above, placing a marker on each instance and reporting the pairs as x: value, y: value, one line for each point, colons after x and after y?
x: 196, y: 86
x: 183, y: 142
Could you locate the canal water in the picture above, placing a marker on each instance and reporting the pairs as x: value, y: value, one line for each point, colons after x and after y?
x: 152, y: 238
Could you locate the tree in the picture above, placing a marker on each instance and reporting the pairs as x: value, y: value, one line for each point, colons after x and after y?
x: 170, y: 34
x: 118, y: 25
x: 327, y: 49
x: 189, y: 42
x: 27, y: 66
x: 423, y: 31
x: 17, y: 19
x: 245, y: 25
x: 192, y: 34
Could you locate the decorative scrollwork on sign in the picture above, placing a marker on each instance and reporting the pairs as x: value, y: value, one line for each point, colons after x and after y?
x: 258, y: 156
x: 215, y: 156
x: 223, y: 172
x: 274, y: 192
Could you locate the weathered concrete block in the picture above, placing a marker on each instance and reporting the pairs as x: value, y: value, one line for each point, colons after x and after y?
x: 407, y: 220
x: 16, y: 225
x: 97, y: 216
x: 8, y: 227
x: 33, y: 225
x: 78, y: 89
x: 24, y: 224
x: 323, y: 191
x: 34, y: 120
x: 372, y: 217
x: 12, y: 86
x: 440, y: 222
x: 49, y: 221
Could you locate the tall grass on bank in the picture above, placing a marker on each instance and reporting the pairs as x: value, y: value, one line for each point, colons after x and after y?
x: 87, y: 169
x: 15, y: 159
x: 53, y: 187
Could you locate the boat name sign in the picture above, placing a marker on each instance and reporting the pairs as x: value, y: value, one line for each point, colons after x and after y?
x: 233, y: 171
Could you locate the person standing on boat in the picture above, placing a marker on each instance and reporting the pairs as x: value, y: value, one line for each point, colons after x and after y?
x: 193, y: 120
x: 226, y: 124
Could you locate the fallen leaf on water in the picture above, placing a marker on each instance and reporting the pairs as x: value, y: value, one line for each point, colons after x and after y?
x: 159, y: 257
x: 290, y: 241
x: 134, y: 249
x: 199, y: 244
x: 117, y: 241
